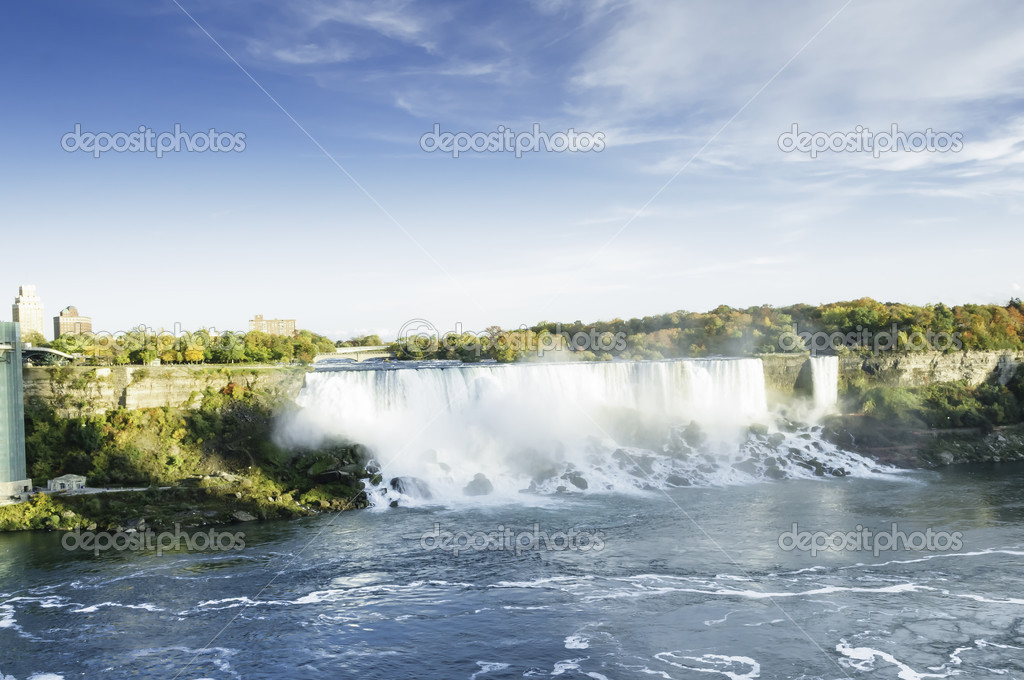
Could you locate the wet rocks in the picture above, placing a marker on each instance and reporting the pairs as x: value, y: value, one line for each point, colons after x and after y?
x: 576, y: 479
x: 411, y: 486
x: 479, y: 486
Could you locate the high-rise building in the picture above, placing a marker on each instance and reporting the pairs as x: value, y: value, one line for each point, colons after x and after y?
x: 13, y: 481
x: 27, y: 310
x: 69, y: 321
x: 272, y: 326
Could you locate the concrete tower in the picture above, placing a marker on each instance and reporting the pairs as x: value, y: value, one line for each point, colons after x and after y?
x: 13, y: 476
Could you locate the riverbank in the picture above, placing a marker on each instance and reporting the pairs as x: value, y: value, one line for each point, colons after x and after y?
x: 215, y: 451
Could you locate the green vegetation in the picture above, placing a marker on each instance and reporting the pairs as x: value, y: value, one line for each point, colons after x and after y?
x: 941, y: 405
x: 725, y: 331
x: 219, y: 458
x: 360, y: 341
x: 140, y: 347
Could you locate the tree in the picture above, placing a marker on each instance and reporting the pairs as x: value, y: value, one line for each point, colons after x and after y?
x: 34, y: 338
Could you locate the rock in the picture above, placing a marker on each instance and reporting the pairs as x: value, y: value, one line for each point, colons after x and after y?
x: 243, y: 516
x: 376, y: 479
x: 394, y: 503
x: 576, y: 479
x: 676, y: 480
x: 945, y: 458
x: 693, y: 435
x: 136, y: 524
x: 411, y: 486
x: 757, y: 429
x: 479, y: 486
x: 334, y: 476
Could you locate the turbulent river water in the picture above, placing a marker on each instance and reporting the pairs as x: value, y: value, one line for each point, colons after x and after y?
x: 596, y: 548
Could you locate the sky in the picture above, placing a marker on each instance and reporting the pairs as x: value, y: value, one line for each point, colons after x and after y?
x: 332, y: 213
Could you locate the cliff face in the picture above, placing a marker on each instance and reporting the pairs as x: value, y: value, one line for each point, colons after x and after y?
x: 787, y: 374
x: 918, y: 369
x: 80, y: 390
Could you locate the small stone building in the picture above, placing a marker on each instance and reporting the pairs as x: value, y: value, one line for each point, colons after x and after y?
x: 66, y: 483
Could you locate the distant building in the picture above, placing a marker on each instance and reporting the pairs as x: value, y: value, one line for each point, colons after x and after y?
x: 13, y: 476
x: 272, y: 326
x: 66, y: 483
x: 27, y: 310
x: 69, y: 321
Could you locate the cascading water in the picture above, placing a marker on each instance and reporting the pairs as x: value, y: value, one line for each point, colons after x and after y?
x: 488, y: 432
x: 825, y: 383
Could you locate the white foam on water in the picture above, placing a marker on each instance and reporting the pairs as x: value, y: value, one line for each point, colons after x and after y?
x: 566, y: 666
x: 732, y: 667
x: 576, y: 642
x: 96, y: 607
x: 863, y: 659
x: 488, y: 667
x: 7, y: 619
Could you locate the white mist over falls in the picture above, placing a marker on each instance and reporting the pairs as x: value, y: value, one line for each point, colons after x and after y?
x: 481, y: 433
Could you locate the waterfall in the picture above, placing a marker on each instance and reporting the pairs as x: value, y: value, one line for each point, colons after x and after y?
x: 825, y: 383
x: 497, y: 430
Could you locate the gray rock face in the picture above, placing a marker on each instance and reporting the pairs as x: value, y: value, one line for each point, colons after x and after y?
x: 479, y: 486
x: 243, y: 516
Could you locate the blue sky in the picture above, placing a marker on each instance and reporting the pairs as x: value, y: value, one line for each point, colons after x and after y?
x: 354, y: 229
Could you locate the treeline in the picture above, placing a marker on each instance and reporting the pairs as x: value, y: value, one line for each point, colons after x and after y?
x: 360, y: 341
x: 728, y: 331
x: 142, y: 347
x: 858, y: 325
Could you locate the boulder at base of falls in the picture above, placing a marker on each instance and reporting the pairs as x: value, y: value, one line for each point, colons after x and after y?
x: 576, y: 479
x: 411, y: 486
x: 479, y: 486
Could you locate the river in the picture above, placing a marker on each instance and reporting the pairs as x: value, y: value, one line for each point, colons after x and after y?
x: 662, y: 567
